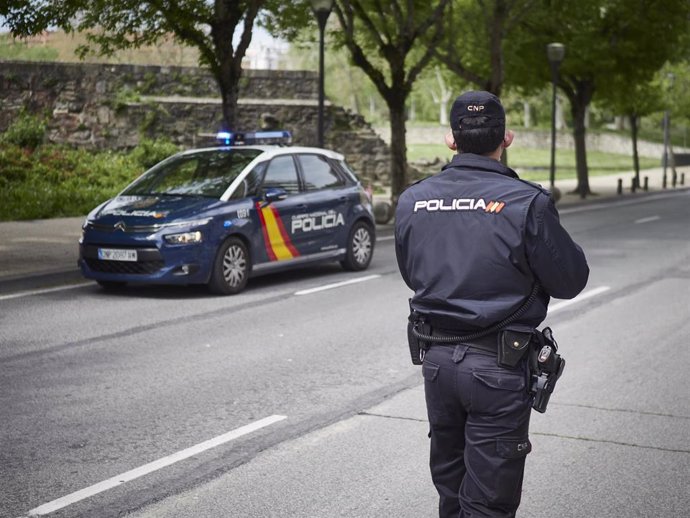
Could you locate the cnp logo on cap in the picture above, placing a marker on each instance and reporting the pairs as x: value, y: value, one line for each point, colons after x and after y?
x: 477, y: 104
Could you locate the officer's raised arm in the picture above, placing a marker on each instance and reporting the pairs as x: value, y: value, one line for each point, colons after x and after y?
x: 558, y: 262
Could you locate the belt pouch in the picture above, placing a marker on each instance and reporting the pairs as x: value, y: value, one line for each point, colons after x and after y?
x: 512, y: 346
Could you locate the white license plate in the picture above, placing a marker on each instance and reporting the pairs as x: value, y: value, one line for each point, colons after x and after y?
x: 112, y: 254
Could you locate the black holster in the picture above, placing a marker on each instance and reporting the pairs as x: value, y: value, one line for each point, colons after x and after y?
x: 546, y: 367
x: 417, y: 347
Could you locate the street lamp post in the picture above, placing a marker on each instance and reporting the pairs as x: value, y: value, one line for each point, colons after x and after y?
x: 667, y: 122
x: 322, y: 9
x: 555, y: 52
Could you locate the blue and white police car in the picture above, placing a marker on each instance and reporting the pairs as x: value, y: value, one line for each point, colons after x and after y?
x: 221, y: 215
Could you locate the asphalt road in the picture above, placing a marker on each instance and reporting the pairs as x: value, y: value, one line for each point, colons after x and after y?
x: 94, y: 385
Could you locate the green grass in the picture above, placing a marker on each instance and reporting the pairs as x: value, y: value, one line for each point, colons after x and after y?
x: 534, y: 164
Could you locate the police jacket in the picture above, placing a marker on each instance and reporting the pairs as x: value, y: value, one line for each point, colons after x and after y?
x: 472, y: 240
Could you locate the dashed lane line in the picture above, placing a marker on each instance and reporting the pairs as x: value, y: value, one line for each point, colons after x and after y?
x: 117, y: 480
x: 337, y: 284
x: 43, y: 291
x: 582, y: 296
x: 647, y: 220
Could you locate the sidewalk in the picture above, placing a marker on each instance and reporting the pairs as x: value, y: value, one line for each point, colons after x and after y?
x: 47, y: 250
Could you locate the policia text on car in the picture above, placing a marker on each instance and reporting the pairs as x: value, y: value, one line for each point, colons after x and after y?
x: 483, y: 252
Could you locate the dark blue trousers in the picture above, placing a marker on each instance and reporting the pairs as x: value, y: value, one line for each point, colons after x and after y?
x: 479, y: 419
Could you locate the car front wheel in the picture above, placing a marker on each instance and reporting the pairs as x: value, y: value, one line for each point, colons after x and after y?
x: 230, y: 268
x: 360, y: 247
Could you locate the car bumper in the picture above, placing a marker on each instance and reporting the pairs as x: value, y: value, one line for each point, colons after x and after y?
x: 179, y: 265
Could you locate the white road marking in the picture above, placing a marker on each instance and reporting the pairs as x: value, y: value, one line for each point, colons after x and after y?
x: 647, y: 220
x: 582, y: 296
x: 49, y: 240
x: 41, y: 292
x: 336, y: 285
x: 385, y: 238
x: 152, y: 466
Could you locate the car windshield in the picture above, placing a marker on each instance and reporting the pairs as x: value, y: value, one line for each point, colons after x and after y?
x: 204, y: 173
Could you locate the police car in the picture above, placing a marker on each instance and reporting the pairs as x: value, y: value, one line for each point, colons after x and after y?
x: 223, y: 214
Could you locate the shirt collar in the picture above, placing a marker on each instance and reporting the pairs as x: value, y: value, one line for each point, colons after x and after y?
x: 479, y: 162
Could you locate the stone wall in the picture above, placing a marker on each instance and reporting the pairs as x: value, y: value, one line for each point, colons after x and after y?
x: 104, y: 106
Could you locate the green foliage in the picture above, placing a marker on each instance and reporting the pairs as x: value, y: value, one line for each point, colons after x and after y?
x: 56, y: 181
x: 675, y: 79
x: 123, y: 97
x: 26, y: 131
x: 149, y: 152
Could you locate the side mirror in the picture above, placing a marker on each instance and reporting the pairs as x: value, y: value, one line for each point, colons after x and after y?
x: 274, y: 194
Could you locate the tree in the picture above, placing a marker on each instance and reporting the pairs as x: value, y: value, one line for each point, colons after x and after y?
x: 384, y: 41
x: 111, y: 26
x: 604, y: 39
x: 442, y: 98
x: 391, y: 42
x: 640, y: 99
x: 473, y: 46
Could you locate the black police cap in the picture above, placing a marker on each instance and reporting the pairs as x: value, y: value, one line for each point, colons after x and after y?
x: 475, y: 104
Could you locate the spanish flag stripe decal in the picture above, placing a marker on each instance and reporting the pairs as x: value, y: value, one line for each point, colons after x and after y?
x: 286, y: 238
x: 494, y: 207
x: 269, y: 250
x: 278, y: 244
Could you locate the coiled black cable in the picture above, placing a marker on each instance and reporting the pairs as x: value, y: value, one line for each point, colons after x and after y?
x: 496, y: 327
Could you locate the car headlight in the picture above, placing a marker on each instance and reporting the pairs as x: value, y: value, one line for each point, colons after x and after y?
x: 184, y: 238
x: 187, y: 223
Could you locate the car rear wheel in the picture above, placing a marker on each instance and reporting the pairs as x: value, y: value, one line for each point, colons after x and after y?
x: 230, y: 268
x: 360, y: 247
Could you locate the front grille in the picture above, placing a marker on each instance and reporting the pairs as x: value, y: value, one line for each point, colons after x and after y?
x: 134, y: 229
x: 124, y: 267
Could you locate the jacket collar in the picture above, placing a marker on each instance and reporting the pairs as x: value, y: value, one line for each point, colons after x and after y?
x: 479, y: 162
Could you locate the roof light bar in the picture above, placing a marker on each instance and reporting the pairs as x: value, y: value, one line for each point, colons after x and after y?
x: 228, y: 138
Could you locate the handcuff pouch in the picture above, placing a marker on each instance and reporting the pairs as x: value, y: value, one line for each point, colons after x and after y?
x: 513, y: 344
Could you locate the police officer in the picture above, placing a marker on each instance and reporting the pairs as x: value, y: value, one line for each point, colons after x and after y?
x: 472, y: 242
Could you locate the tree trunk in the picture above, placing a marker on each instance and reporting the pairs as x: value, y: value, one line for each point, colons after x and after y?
x: 636, y: 157
x: 229, y: 92
x: 580, y: 98
x: 399, y: 175
x: 579, y: 134
x: 527, y: 122
x: 496, y: 26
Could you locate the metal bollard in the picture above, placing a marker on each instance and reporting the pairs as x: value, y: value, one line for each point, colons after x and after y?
x: 619, y: 190
x: 674, y: 179
x: 646, y: 183
x: 682, y: 178
x: 633, y: 185
x: 663, y: 182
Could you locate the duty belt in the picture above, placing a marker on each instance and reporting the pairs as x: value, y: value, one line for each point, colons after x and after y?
x: 487, y: 343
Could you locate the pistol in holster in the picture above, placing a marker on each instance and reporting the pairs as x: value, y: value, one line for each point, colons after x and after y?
x: 417, y: 322
x: 546, y: 366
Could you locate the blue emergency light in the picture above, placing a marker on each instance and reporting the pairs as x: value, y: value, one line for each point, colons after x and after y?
x: 229, y: 138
